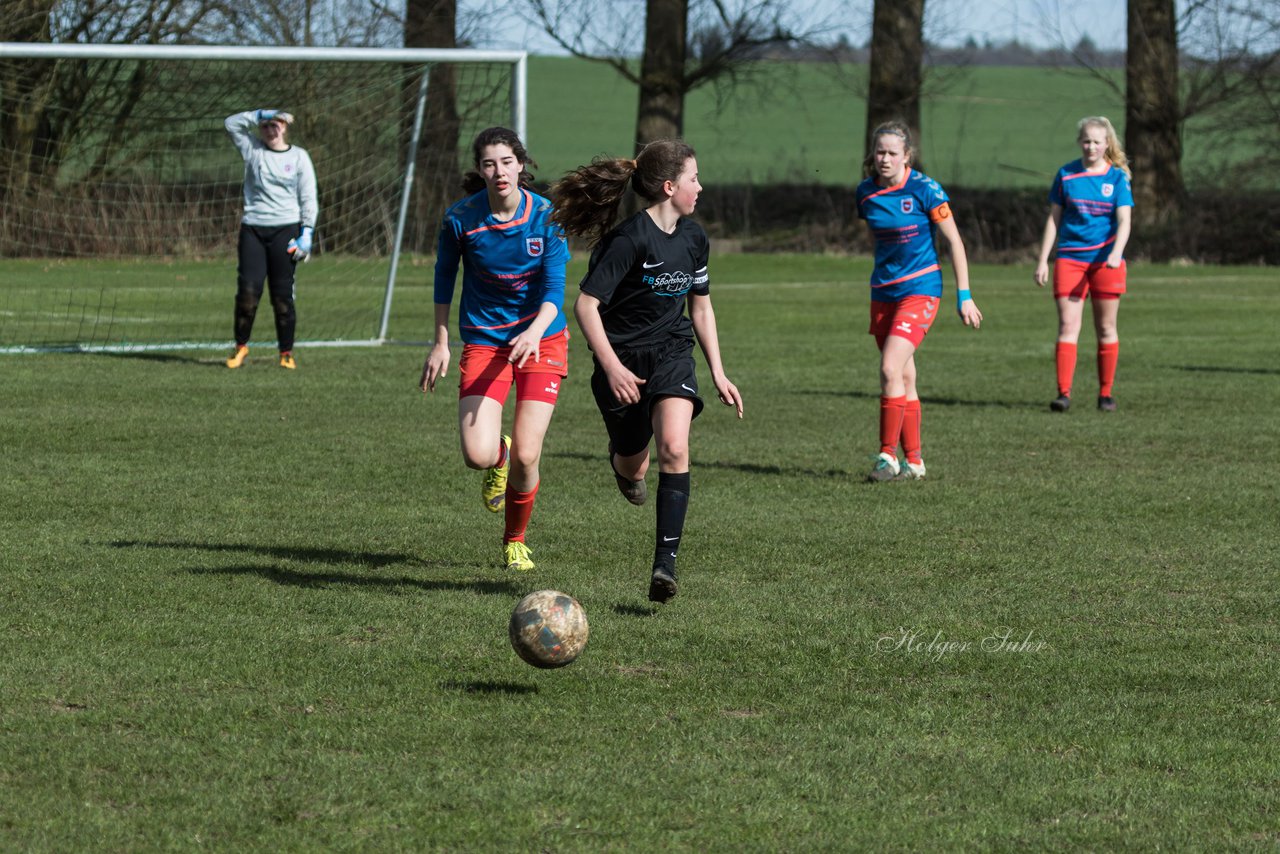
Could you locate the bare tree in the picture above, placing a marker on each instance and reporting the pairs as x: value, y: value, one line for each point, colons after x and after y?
x: 896, y: 73
x: 1192, y: 58
x: 660, y: 112
x: 688, y: 44
x: 320, y: 23
x: 1153, y: 111
x: 45, y: 104
x: 436, y: 182
x: 1230, y: 68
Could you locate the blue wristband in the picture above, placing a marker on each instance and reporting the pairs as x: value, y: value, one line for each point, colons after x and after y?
x: 961, y: 296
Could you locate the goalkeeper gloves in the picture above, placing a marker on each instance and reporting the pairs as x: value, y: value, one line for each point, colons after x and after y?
x: 274, y: 115
x: 300, y: 246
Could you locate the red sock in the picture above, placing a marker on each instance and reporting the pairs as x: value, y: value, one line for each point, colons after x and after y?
x: 519, y: 509
x: 911, y: 431
x: 503, y: 453
x: 1065, y: 356
x: 892, y: 410
x: 1108, y: 354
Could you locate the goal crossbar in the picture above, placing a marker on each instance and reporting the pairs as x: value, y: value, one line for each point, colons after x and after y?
x: 517, y: 61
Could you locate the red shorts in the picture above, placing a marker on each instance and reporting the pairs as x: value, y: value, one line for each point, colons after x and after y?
x: 908, y: 318
x: 1077, y: 278
x: 486, y: 372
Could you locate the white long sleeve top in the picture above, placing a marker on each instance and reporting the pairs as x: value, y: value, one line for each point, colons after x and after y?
x: 279, y: 186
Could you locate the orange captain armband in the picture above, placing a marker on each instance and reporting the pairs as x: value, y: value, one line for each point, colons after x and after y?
x: 940, y: 213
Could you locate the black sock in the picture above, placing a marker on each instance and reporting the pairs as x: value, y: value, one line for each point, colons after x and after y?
x: 673, y: 501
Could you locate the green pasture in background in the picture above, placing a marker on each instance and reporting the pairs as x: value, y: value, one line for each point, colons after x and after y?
x: 983, y: 126
x: 263, y: 609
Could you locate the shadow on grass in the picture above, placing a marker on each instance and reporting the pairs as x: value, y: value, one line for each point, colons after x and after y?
x: 376, y: 560
x: 325, y: 580
x: 487, y: 687
x: 199, y: 361
x: 635, y: 610
x: 321, y: 580
x: 746, y: 468
x: 928, y: 400
x: 1210, y: 369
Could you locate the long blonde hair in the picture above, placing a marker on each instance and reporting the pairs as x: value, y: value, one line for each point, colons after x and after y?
x: 1114, y: 154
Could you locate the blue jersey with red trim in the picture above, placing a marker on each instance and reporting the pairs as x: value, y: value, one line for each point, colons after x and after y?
x: 1089, y: 201
x: 509, y: 269
x: 901, y: 219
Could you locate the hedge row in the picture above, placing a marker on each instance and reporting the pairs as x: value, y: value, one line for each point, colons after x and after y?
x: 997, y: 225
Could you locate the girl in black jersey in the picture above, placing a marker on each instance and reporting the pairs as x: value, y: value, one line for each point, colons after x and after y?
x: 632, y: 312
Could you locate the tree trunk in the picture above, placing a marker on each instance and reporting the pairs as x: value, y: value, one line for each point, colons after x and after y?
x: 661, y: 108
x: 24, y: 122
x: 896, y: 73
x: 437, y: 177
x: 1153, y: 118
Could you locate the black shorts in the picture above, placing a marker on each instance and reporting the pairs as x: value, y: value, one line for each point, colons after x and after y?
x: 668, y: 371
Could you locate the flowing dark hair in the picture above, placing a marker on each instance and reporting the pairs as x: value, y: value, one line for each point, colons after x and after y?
x: 893, y: 128
x: 586, y: 200
x: 473, y: 182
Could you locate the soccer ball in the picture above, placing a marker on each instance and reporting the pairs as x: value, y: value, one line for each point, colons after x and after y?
x: 548, y: 628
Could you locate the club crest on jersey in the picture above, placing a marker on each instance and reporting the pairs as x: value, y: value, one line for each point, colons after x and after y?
x: 1107, y: 190
x: 908, y: 205
x: 533, y: 245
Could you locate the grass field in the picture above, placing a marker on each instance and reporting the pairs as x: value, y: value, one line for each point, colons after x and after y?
x: 798, y: 122
x: 261, y: 610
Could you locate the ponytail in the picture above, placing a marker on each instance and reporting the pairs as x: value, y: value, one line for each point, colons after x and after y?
x: 586, y: 200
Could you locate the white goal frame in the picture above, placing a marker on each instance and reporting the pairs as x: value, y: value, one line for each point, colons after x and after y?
x: 391, y: 56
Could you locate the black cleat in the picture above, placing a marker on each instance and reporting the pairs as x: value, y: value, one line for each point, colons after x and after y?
x: 1106, y: 403
x: 662, y: 586
x: 1061, y: 404
x: 633, y: 490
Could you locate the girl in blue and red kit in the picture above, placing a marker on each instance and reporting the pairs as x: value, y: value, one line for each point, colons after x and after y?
x: 513, y: 328
x: 904, y: 209
x: 1090, y: 206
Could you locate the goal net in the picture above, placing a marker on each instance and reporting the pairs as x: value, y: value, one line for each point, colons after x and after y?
x: 121, y: 193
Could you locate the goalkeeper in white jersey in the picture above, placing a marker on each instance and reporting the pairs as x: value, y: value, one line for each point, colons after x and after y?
x: 280, y: 210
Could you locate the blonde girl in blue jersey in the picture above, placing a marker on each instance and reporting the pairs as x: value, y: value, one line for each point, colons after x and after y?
x: 904, y: 209
x: 1090, y: 207
x: 512, y: 325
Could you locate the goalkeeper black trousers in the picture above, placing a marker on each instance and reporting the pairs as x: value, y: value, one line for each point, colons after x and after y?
x: 264, y: 257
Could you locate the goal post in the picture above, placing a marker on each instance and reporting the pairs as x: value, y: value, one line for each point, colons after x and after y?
x: 120, y: 194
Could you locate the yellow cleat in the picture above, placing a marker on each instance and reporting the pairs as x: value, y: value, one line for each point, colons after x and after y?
x: 238, y: 357
x: 493, y: 490
x: 286, y: 361
x: 517, y: 556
